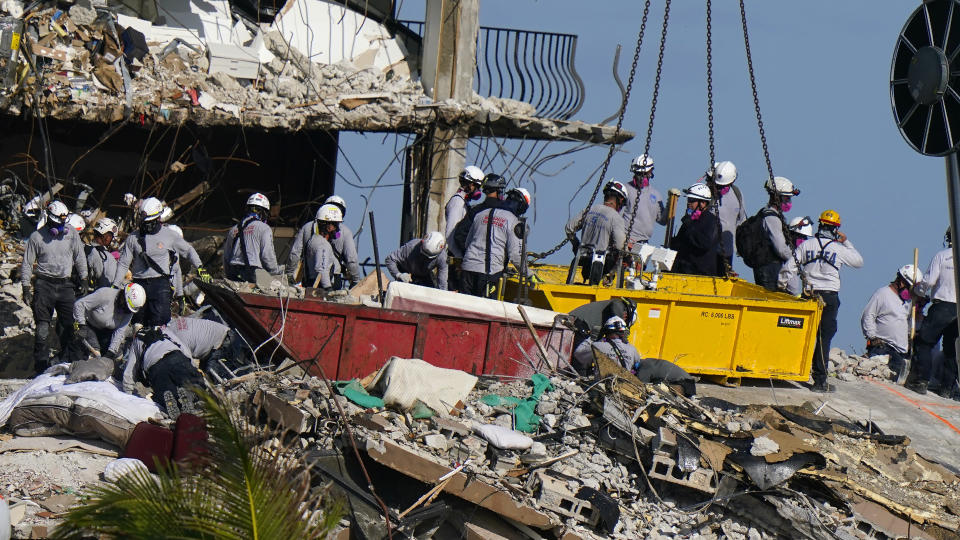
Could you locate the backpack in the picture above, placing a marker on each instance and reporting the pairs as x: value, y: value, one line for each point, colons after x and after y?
x: 753, y: 244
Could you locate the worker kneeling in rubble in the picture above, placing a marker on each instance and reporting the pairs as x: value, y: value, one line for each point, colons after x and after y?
x: 494, y: 240
x: 210, y: 343
x: 159, y: 356
x: 604, y: 234
x: 612, y: 342
x: 101, y: 264
x: 320, y: 262
x: 884, y: 319
x: 698, y: 241
x: 416, y: 261
x: 248, y: 246
x: 101, y: 320
x: 152, y: 251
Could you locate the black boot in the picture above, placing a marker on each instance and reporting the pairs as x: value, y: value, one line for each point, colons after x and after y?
x: 919, y: 387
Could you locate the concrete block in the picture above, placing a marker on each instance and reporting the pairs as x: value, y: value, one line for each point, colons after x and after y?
x: 289, y: 417
x: 552, y: 493
x: 436, y: 441
x: 664, y: 466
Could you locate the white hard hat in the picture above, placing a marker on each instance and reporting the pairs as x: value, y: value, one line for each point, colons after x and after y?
x: 698, y: 192
x: 176, y: 229
x: 135, y: 296
x: 76, y: 222
x: 260, y: 200
x: 151, y: 208
x: 57, y: 212
x: 724, y: 173
x: 331, y: 213
x: 781, y: 186
x: 105, y: 225
x: 802, y: 225
x: 337, y: 200
x: 615, y: 324
x: 166, y: 214
x: 433, y: 243
x: 641, y: 163
x: 472, y: 173
x: 908, y: 271
x: 616, y: 187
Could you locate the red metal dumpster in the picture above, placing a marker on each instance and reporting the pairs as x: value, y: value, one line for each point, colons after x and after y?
x: 350, y: 341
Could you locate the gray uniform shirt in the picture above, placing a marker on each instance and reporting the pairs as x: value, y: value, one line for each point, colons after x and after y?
x: 603, y: 227
x: 411, y: 260
x: 99, y: 310
x: 503, y: 241
x: 299, y: 246
x: 885, y: 317
x: 56, y: 256
x: 455, y: 210
x: 140, y: 360
x: 319, y: 259
x: 200, y: 335
x: 159, y: 247
x: 101, y: 263
x: 731, y: 213
x: 822, y: 259
x: 773, y: 226
x: 628, y: 354
x: 650, y: 211
x: 345, y: 249
x: 789, y: 279
x: 259, y: 240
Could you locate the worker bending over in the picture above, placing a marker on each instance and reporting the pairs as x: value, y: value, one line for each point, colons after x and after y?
x: 150, y: 254
x: 421, y: 262
x: 159, y: 357
x: 698, y: 241
x: 884, y: 320
x: 939, y: 285
x: 604, y: 233
x: 101, y: 264
x: 493, y: 241
x: 612, y: 343
x: 643, y: 200
x: 57, y: 251
x: 102, y: 318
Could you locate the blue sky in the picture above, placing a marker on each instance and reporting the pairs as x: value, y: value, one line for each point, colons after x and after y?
x: 823, y: 72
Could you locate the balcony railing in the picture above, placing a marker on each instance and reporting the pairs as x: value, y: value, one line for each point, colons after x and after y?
x: 534, y: 67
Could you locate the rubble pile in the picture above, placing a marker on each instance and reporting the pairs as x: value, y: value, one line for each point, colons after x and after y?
x: 16, y: 318
x: 848, y: 367
x: 611, y: 457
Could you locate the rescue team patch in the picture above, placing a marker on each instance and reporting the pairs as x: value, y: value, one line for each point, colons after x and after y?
x: 790, y: 322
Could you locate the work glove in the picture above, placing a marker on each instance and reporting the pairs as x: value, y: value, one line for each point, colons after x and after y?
x: 535, y: 279
x: 204, y: 275
x: 405, y: 277
x: 28, y: 295
x: 84, y: 287
x: 79, y: 330
x: 574, y: 243
x: 111, y: 355
x: 181, y: 304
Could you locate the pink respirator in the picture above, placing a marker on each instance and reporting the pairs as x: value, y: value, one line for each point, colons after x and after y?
x: 905, y: 294
x: 785, y: 207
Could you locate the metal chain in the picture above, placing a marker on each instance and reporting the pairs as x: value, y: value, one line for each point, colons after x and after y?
x: 616, y: 133
x: 653, y: 113
x: 713, y: 155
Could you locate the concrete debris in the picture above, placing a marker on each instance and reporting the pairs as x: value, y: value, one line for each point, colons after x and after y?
x: 846, y: 367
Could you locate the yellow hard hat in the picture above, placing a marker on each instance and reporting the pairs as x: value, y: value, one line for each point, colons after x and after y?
x: 830, y: 217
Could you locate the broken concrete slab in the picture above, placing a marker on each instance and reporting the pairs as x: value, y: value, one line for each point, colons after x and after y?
x: 288, y: 416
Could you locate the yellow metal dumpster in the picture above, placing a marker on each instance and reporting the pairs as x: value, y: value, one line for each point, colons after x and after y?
x: 713, y: 326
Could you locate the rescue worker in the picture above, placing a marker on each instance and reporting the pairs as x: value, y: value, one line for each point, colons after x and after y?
x: 102, y: 318
x: 781, y: 191
x: 821, y: 258
x: 788, y: 280
x: 647, y: 200
x: 603, y: 232
x: 939, y: 285
x: 244, y: 254
x: 158, y: 356
x: 344, y: 247
x: 150, y: 254
x: 470, y: 181
x: 697, y: 243
x: 201, y: 336
x: 884, y: 319
x: 320, y: 259
x: 416, y: 261
x: 101, y: 262
x: 729, y: 208
x: 493, y: 240
x: 493, y: 186
x: 176, y: 273
x: 612, y: 342
x: 76, y: 222
x: 58, y: 252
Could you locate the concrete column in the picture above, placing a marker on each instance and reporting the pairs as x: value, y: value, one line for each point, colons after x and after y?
x: 449, y: 61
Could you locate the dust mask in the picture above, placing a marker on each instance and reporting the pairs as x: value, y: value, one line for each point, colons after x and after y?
x: 785, y: 207
x: 905, y: 294
x: 724, y: 190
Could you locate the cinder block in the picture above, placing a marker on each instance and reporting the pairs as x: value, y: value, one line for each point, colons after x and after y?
x: 553, y: 494
x: 665, y: 467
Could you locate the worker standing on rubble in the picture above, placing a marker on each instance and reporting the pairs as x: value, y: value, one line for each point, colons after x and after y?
x: 698, y: 241
x: 788, y: 280
x: 493, y: 186
x: 416, y: 261
x: 101, y: 320
x: 643, y: 200
x: 344, y: 247
x: 884, y: 319
x: 612, y: 342
x: 729, y: 208
x: 493, y: 241
x: 320, y: 263
x: 939, y: 285
x: 470, y: 181
x: 150, y: 255
x: 101, y: 262
x: 604, y: 233
x: 57, y: 251
x: 244, y: 254
x: 159, y: 356
x: 821, y: 258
